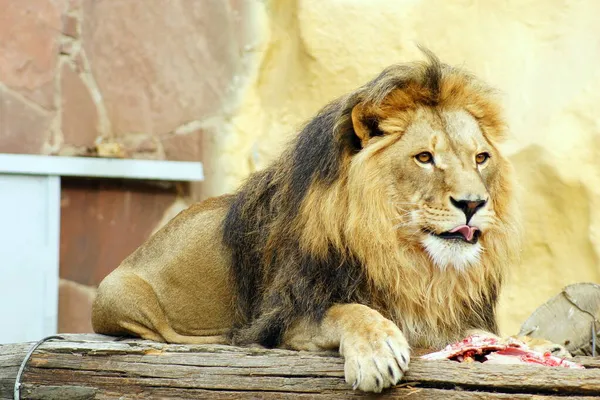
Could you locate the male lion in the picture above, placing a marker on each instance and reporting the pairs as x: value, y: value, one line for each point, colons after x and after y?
x: 388, y: 221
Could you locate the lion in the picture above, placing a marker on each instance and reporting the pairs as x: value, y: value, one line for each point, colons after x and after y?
x: 388, y: 222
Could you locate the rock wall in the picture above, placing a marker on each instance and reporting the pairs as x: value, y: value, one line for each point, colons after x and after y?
x: 150, y: 79
x: 229, y: 82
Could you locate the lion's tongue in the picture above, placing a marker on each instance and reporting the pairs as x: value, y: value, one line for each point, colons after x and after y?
x: 467, y: 231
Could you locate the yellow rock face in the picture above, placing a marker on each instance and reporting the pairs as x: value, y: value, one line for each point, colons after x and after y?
x: 543, y: 55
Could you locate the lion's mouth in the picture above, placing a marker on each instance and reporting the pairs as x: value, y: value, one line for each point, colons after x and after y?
x: 466, y: 233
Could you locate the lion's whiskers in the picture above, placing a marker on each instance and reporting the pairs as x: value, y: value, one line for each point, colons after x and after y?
x: 402, y: 224
x: 402, y: 215
x: 405, y: 202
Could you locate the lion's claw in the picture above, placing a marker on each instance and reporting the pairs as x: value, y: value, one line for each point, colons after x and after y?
x: 376, y: 360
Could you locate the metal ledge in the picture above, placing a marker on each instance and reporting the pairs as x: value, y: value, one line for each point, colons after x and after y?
x: 22, y: 164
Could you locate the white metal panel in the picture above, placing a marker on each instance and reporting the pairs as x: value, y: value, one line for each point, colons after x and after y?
x: 101, y: 167
x: 29, y: 246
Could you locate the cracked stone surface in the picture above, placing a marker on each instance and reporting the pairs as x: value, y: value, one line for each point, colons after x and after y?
x: 163, y: 68
x: 119, y: 70
x: 29, y: 43
x: 24, y: 127
x: 79, y: 113
x: 183, y: 147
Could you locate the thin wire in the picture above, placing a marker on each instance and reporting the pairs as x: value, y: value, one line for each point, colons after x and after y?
x: 17, y: 389
x: 593, y: 338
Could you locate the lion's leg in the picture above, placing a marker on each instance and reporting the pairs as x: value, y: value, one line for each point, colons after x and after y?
x: 142, y: 331
x: 376, y: 352
x: 114, y: 315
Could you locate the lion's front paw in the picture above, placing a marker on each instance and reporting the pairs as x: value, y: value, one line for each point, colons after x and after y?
x: 376, y: 358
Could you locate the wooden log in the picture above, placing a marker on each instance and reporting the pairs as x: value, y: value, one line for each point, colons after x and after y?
x: 99, y: 367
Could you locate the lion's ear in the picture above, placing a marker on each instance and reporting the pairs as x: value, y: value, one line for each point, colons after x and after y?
x: 365, y: 123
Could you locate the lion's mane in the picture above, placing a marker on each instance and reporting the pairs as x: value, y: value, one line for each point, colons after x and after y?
x: 313, y: 229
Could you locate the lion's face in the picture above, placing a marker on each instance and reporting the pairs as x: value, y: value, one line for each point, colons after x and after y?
x: 444, y: 182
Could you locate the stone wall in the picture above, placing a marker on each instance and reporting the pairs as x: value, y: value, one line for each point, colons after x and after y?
x: 150, y: 79
x: 229, y: 82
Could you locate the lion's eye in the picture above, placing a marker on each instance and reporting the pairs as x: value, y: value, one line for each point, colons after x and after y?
x: 482, y: 157
x: 424, y: 157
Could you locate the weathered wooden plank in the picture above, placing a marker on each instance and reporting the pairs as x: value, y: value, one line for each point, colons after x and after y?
x: 11, y: 357
x: 588, y: 362
x: 242, y: 370
x: 93, y: 367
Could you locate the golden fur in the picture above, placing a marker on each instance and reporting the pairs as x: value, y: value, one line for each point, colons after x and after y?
x: 340, y: 242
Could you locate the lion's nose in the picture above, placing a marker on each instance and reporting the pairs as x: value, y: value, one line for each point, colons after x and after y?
x: 469, y: 207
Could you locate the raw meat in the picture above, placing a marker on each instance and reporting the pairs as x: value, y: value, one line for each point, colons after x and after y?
x: 494, y: 351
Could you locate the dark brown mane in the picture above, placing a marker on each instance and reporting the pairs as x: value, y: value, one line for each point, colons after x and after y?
x: 276, y: 280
